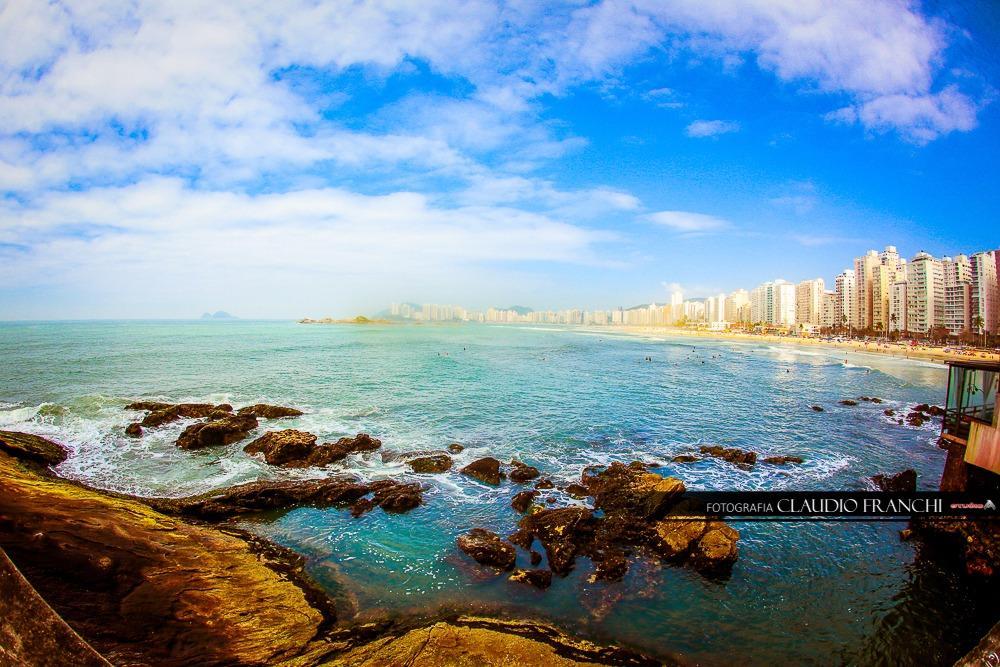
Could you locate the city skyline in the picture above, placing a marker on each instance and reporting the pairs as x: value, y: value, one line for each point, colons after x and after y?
x: 167, y: 160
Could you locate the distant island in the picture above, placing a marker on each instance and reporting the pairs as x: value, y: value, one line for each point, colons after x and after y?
x: 219, y: 315
x: 360, y: 319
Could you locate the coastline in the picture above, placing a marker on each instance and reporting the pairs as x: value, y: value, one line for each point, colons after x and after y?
x: 936, y: 354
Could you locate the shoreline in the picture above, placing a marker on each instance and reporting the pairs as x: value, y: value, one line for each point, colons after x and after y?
x: 936, y: 354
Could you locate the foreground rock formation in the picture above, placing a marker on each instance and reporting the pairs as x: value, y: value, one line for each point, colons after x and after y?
x: 124, y: 583
x: 298, y: 449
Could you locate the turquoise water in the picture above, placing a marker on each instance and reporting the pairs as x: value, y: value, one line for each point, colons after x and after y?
x: 559, y: 399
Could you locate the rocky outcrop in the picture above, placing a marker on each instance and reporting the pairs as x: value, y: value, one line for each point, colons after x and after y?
x: 684, y: 458
x: 282, y: 447
x: 392, y: 496
x: 487, y: 548
x: 455, y: 448
x: 265, y: 411
x: 134, y: 430
x: 486, y: 470
x: 633, y: 491
x: 217, y: 432
x: 731, y: 454
x: 849, y: 402
x: 521, y: 472
x: 172, y: 413
x: 522, y: 501
x: 147, y: 406
x: 976, y: 542
x: 36, y: 449
x: 537, y: 578
x: 782, y: 460
x: 545, y: 483
x: 817, y: 408
x: 901, y: 482
x: 298, y: 449
x: 433, y: 463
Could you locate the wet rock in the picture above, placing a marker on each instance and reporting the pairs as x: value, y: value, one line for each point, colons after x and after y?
x: 522, y: 501
x: 559, y: 531
x: 632, y: 490
x: 716, y: 550
x: 889, y: 412
x: 33, y: 448
x: 612, y: 567
x: 134, y: 430
x: 870, y: 399
x: 147, y: 406
x: 487, y: 548
x: 935, y: 410
x: 782, y: 460
x: 534, y: 557
x: 975, y: 541
x: 282, y: 447
x: 676, y: 534
x: 848, y: 402
x: 486, y: 470
x: 577, y: 490
x: 901, y: 482
x: 684, y: 458
x: 265, y: 411
x: 328, y: 453
x: 545, y: 483
x: 214, y: 433
x: 537, y: 578
x: 522, y: 473
x: 731, y: 454
x: 916, y: 419
x: 173, y: 413
x: 394, y: 497
x: 434, y: 463
x: 905, y: 535
x: 455, y: 448
x: 818, y: 408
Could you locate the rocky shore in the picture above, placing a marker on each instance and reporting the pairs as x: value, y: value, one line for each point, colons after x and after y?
x: 109, y: 578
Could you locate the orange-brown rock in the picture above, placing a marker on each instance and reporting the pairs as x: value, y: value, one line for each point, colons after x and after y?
x: 217, y: 432
x: 486, y: 470
x: 265, y: 411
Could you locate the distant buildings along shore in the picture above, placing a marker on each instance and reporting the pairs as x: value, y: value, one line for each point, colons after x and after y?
x: 881, y: 293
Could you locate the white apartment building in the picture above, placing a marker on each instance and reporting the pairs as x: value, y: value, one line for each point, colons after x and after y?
x: 891, y: 270
x: 828, y: 310
x: 773, y: 303
x: 957, y: 294
x: 809, y: 301
x: 846, y: 311
x: 984, y: 291
x: 738, y: 306
x: 864, y: 270
x: 924, y: 294
x: 897, y: 307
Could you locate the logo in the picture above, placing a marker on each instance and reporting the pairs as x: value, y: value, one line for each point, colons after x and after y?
x: 989, y: 505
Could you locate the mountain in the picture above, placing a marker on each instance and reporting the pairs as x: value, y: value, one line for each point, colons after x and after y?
x: 520, y: 310
x: 219, y: 315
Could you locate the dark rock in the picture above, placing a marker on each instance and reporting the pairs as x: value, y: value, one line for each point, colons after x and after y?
x: 848, y: 402
x: 328, y: 453
x: 522, y: 473
x: 219, y: 432
x: 613, y: 567
x: 395, y: 497
x: 434, y: 463
x: 901, y: 482
x: 148, y: 406
x: 487, y: 548
x: 134, y: 430
x: 935, y: 411
x: 889, y: 412
x: 560, y: 531
x: 455, y: 448
x: 684, y: 458
x: 282, y: 447
x: 916, y: 419
x: 486, y: 470
x: 33, y: 448
x: 172, y: 413
x: 265, y: 411
x: 731, y: 454
x: 522, y: 501
x: 535, y: 557
x: 782, y: 460
x: 631, y: 489
x: 537, y: 578
x: 577, y: 490
x: 544, y: 484
x: 818, y: 408
x: 716, y: 550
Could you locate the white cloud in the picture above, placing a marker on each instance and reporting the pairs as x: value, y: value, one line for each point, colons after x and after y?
x: 917, y: 118
x: 711, y: 128
x: 688, y: 223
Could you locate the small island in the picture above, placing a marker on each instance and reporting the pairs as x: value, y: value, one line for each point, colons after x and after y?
x: 218, y: 315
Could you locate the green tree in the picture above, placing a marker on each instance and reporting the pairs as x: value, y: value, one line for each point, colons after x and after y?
x: 979, y: 324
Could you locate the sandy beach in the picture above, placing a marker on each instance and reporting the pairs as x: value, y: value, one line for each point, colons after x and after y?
x: 900, y: 349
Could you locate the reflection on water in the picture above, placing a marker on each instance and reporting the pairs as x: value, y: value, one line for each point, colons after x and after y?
x: 813, y: 593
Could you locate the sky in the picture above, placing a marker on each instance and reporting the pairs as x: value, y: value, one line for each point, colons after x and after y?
x: 283, y: 159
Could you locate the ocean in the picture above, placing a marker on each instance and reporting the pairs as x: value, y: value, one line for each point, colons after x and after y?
x: 557, y: 398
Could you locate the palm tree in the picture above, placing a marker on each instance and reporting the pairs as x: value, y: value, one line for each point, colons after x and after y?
x: 843, y: 322
x: 893, y: 319
x: 979, y: 324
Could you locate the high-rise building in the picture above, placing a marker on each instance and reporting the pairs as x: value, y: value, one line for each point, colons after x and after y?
x: 828, y: 317
x: 984, y: 291
x: 864, y: 270
x: 897, y: 307
x: 773, y: 303
x: 957, y: 294
x: 846, y: 311
x: 738, y: 306
x: 924, y: 294
x: 891, y: 269
x: 809, y: 301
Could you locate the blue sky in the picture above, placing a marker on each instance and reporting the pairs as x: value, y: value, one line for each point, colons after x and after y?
x: 297, y: 158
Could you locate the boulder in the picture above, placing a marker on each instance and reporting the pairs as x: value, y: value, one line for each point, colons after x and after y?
x: 487, y: 548
x: 537, y: 578
x: 282, y: 447
x: 641, y: 495
x: 612, y: 567
x: 172, y: 413
x: 522, y: 472
x: 544, y: 484
x: 889, y: 412
x: 395, y: 497
x: 219, y: 432
x: 328, y: 453
x: 434, y: 463
x: 486, y: 470
x: 147, y: 406
x: 577, y: 490
x: 676, y: 534
x: 33, y: 448
x: 560, y: 531
x: 134, y: 430
x: 731, y: 454
x: 265, y: 411
x: 716, y: 549
x: 684, y: 458
x: 455, y: 448
x: 782, y: 460
x: 522, y: 501
x: 848, y: 402
x: 818, y: 408
x: 901, y: 482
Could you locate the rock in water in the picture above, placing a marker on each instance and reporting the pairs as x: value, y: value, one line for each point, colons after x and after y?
x: 782, y: 460
x: 172, y: 413
x: 537, y: 578
x: 134, y: 430
x: 818, y: 408
x: 676, y: 534
x: 282, y: 447
x: 486, y: 470
x: 716, y: 550
x: 487, y: 548
x: 560, y: 531
x: 522, y: 501
x: 684, y: 458
x: 265, y: 411
x: 522, y: 473
x: 901, y: 482
x: 219, y: 432
x: 632, y: 490
x: 848, y: 402
x: 455, y: 448
x: 148, y: 406
x: 32, y: 448
x: 731, y: 454
x: 434, y: 463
